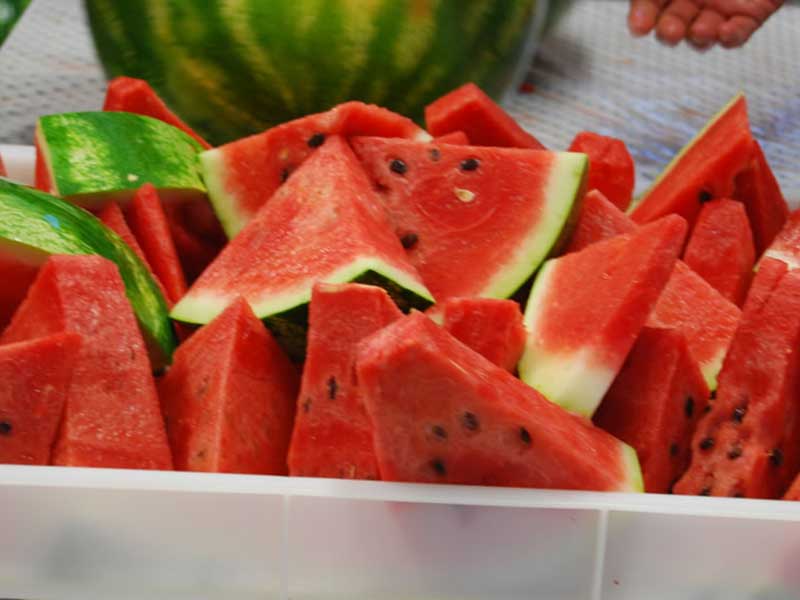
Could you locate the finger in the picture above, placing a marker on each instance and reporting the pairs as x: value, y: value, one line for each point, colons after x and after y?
x: 643, y: 15
x: 675, y: 19
x: 737, y: 30
x: 705, y: 28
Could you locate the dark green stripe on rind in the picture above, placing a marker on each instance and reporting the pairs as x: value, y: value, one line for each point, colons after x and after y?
x: 48, y: 224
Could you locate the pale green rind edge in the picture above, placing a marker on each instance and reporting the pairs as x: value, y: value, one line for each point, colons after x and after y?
x: 710, y: 369
x: 212, y: 167
x: 633, y: 482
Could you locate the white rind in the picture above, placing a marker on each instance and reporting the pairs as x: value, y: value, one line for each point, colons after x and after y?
x: 633, y: 481
x: 212, y: 166
x: 710, y: 369
x: 789, y: 258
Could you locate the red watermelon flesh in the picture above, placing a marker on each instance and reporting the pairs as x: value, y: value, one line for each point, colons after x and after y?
x: 454, y: 137
x: 493, y: 328
x: 598, y: 220
x: 332, y: 434
x: 229, y: 397
x: 444, y: 414
x: 793, y: 492
x: 149, y: 224
x: 586, y: 309
x: 17, y: 275
x: 611, y: 169
x: 721, y: 250
x: 705, y: 169
x: 34, y: 378
x: 42, y: 180
x: 112, y: 217
x: 786, y: 246
x: 654, y: 405
x: 127, y: 94
x: 749, y: 444
x: 769, y: 274
x: 476, y: 221
x: 195, y: 250
x: 758, y: 189
x: 470, y: 110
x: 242, y: 175
x: 707, y: 320
x: 112, y: 416
x: 3, y: 172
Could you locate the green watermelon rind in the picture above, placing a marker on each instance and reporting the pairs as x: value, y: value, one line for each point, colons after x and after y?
x: 33, y: 224
x: 92, y: 156
x: 632, y: 481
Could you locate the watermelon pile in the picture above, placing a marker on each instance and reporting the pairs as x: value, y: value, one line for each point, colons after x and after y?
x: 349, y: 295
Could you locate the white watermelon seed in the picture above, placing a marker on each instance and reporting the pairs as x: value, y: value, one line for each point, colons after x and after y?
x: 465, y: 196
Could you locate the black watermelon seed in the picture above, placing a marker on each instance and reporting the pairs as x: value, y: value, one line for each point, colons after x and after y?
x: 438, y: 466
x: 470, y: 164
x: 776, y: 457
x: 707, y: 409
x: 284, y: 175
x: 316, y: 140
x: 738, y: 413
x: 688, y: 408
x: 5, y: 428
x: 706, y: 443
x: 440, y: 432
x: 735, y: 452
x: 307, y: 405
x: 409, y: 240
x: 435, y: 154
x: 712, y: 395
x: 673, y: 449
x: 333, y: 388
x: 525, y: 436
x: 470, y: 421
x: 398, y: 166
x: 706, y: 491
x: 704, y: 196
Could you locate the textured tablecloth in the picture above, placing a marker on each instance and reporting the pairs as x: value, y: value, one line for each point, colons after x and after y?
x: 589, y: 74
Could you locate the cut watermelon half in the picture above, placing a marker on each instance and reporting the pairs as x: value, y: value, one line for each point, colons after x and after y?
x: 112, y: 416
x: 242, y: 175
x: 34, y: 378
x: 654, y: 405
x: 475, y: 221
x: 586, y: 309
x: 332, y: 434
x: 611, y: 168
x: 444, y: 414
x: 786, y: 246
x: 228, y: 398
x: 721, y: 250
x: 598, y: 220
x: 470, y: 110
x: 131, y: 95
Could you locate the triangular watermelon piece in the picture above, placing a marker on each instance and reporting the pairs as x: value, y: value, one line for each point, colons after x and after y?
x: 721, y: 250
x: 18, y: 268
x: 112, y: 416
x: 34, y: 378
x: 586, y: 309
x: 786, y: 246
x: 242, y: 175
x: 707, y: 320
x: 749, y: 444
x: 444, y: 414
x: 332, y: 434
x: 127, y: 94
x: 149, y: 224
x: 475, y: 221
x: 654, y: 405
x: 454, y: 137
x: 611, y: 168
x: 229, y: 397
x: 470, y: 110
x: 598, y: 220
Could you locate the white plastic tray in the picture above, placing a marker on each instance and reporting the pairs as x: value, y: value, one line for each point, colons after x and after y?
x: 93, y: 534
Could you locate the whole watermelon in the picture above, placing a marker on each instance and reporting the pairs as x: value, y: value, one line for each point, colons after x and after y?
x: 234, y: 67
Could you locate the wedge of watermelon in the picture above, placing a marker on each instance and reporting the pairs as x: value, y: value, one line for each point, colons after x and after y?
x: 598, y: 220
x: 18, y: 268
x: 229, y: 397
x: 332, y: 434
x: 786, y: 246
x: 34, y: 378
x: 749, y: 444
x: 611, y: 168
x: 586, y: 309
x: 131, y: 95
x: 721, y: 250
x: 242, y: 175
x: 475, y: 221
x: 454, y: 137
x: 444, y: 414
x: 470, y: 110
x: 654, y: 405
x: 112, y: 416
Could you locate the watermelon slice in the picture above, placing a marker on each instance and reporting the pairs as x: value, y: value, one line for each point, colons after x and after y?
x: 242, y: 175
x: 493, y: 328
x: 34, y: 377
x: 475, y: 221
x: 749, y: 444
x: 586, y: 309
x: 93, y: 157
x: 444, y: 414
x: 326, y: 224
x: 112, y: 416
x: 229, y: 397
x: 654, y: 405
x: 705, y: 169
x: 332, y: 434
x: 131, y: 95
x: 454, y: 137
x: 721, y: 250
x: 611, y: 169
x: 149, y: 224
x: 470, y: 110
x: 786, y: 246
x: 598, y: 220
